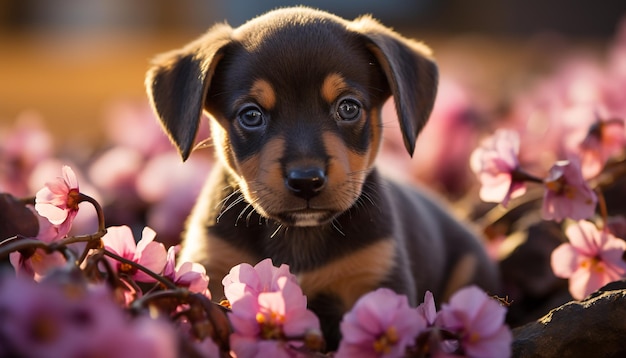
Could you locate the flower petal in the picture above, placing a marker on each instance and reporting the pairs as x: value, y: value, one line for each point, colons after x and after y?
x: 153, y: 257
x: 69, y: 177
x: 579, y: 284
x: 53, y: 213
x: 147, y: 236
x: 565, y: 260
x: 119, y: 240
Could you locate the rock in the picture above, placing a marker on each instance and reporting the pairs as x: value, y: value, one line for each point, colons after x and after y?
x: 527, y: 277
x: 16, y: 218
x: 594, y: 327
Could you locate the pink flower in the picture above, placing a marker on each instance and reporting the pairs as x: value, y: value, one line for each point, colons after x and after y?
x: 272, y: 323
x: 590, y: 260
x: 39, y: 263
x: 605, y: 139
x: 67, y: 319
x: 263, y: 277
x: 148, y: 253
x: 171, y: 188
x: 495, y: 162
x: 190, y: 274
x: 427, y: 309
x: 381, y: 324
x: 478, y: 320
x: 58, y: 200
x: 567, y: 194
x: 23, y: 146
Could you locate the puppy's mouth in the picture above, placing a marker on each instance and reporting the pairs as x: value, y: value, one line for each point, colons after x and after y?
x: 306, y: 217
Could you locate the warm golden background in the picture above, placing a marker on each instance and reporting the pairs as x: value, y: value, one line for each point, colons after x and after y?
x: 70, y: 59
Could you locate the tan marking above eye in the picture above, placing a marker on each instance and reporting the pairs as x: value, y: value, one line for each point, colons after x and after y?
x: 263, y: 92
x: 332, y: 87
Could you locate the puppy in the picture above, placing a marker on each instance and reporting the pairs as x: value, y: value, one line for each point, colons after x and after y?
x: 294, y: 99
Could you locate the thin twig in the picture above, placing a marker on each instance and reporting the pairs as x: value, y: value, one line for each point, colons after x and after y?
x: 165, y: 281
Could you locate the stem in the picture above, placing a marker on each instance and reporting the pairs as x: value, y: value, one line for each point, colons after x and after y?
x: 69, y: 255
x: 163, y: 280
x: 143, y: 301
x: 609, y: 174
x: 498, y: 212
x: 217, y: 317
x: 99, y: 211
x: 90, y: 245
x: 28, y: 201
x: 518, y: 175
x: 18, y: 243
x: 604, y: 213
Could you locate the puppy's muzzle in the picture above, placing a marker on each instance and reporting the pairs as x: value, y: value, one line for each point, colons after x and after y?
x: 306, y: 182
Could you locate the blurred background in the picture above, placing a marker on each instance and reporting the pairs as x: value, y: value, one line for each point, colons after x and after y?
x: 71, y: 92
x: 69, y: 59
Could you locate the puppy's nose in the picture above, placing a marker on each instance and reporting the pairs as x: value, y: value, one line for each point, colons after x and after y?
x: 306, y: 182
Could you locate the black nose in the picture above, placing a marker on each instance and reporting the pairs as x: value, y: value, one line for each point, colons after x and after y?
x: 306, y: 182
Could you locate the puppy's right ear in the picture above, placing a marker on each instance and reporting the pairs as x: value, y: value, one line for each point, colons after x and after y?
x: 178, y: 81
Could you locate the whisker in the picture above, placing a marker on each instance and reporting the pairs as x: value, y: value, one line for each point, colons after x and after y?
x: 242, y: 212
x: 249, y: 216
x: 225, y: 199
x: 280, y: 226
x: 230, y: 206
x: 336, y: 225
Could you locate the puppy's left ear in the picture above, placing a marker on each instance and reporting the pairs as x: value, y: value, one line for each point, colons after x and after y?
x: 178, y: 81
x: 411, y: 73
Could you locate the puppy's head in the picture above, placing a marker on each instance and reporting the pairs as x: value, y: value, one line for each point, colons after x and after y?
x: 294, y: 98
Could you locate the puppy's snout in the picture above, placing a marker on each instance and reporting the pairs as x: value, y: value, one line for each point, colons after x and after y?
x: 306, y: 182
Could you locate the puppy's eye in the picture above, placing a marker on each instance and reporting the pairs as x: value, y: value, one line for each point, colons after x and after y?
x: 251, y: 117
x: 348, y: 110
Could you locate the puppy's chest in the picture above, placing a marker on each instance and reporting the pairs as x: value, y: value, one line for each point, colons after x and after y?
x: 304, y: 249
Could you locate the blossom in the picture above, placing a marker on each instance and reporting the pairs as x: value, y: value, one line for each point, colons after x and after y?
x: 606, y: 138
x: 478, y: 320
x: 590, y: 260
x: 39, y: 262
x: 381, y: 324
x: 58, y: 200
x: 271, y: 323
x: 147, y: 252
x: 70, y: 319
x: 171, y: 189
x: 567, y: 194
x: 495, y: 163
x: 427, y: 309
x: 190, y: 274
x: 263, y: 277
x: 36, y: 265
x: 23, y: 147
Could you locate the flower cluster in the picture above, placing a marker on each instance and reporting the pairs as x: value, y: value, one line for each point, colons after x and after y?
x: 269, y: 313
x: 557, y: 153
x: 566, y: 193
x: 579, y: 155
x: 74, y: 294
x: 593, y: 258
x: 60, y: 318
x: 136, y: 176
x: 382, y: 324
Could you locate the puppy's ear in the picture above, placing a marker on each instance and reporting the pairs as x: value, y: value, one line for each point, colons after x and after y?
x: 411, y: 73
x: 177, y: 84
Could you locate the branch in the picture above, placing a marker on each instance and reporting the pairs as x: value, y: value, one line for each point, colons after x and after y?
x: 163, y: 280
